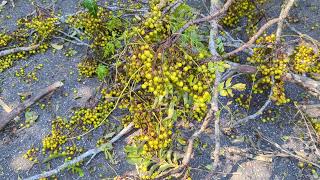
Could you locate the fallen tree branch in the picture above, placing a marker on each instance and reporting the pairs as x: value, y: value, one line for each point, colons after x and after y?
x: 18, y: 49
x: 212, y: 47
x: 7, y: 117
x: 91, y: 152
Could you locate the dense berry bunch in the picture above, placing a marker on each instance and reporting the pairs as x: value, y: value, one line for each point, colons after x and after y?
x: 272, y: 64
x: 304, y: 59
x: 87, y: 67
x: 44, y: 27
x: 31, y: 154
x: 4, y: 39
x: 243, y: 9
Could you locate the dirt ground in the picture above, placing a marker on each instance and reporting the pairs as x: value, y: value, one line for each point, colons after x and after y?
x: 284, y: 130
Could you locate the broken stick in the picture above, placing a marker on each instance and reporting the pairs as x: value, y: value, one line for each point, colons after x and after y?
x: 7, y: 117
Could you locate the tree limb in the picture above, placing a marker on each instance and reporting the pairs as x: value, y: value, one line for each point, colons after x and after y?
x: 7, y: 117
x: 284, y: 13
x: 18, y: 49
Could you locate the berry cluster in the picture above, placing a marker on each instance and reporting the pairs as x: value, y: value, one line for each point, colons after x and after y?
x: 31, y: 155
x: 243, y: 9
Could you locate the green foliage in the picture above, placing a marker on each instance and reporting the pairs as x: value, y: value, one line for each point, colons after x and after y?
x: 220, y: 46
x: 102, y: 71
x: 226, y: 88
x: 91, y: 5
x: 180, y: 16
x: 151, y: 167
x: 75, y: 169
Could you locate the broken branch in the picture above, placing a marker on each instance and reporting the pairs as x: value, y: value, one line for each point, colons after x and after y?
x: 18, y: 49
x: 7, y: 117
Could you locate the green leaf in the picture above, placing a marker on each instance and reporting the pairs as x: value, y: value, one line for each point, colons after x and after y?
x: 220, y: 46
x: 224, y: 93
x: 91, y: 5
x: 176, y: 157
x: 109, y: 135
x: 153, y: 168
x: 134, y: 160
x: 169, y: 160
x: 181, y: 141
x: 31, y: 116
x: 239, y: 87
x: 228, y: 82
x: 129, y: 149
x: 102, y: 71
x: 211, y: 67
x: 230, y: 92
x: 57, y: 46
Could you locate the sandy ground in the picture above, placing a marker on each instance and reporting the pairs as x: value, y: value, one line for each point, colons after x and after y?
x: 58, y: 67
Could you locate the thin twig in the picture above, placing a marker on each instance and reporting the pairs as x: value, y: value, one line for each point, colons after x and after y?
x: 255, y: 115
x: 288, y: 152
x: 91, y: 152
x: 18, y: 49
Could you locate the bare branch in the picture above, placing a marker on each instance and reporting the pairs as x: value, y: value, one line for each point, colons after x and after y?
x: 7, y: 117
x: 284, y: 13
x: 18, y: 49
x: 91, y: 152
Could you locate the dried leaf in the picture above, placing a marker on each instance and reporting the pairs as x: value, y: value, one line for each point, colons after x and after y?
x: 56, y: 46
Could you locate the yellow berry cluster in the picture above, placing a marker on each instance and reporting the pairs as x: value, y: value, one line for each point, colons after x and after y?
x: 56, y: 138
x: 243, y: 9
x: 88, y: 118
x: 87, y: 68
x: 44, y: 27
x: 304, y: 59
x: 32, y: 75
x: 8, y: 61
x: 171, y: 84
x: 31, y: 155
x: 4, y: 39
x: 102, y: 29
x: 271, y: 68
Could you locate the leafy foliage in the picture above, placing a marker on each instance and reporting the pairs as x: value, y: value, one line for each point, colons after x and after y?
x: 102, y: 71
x: 91, y: 5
